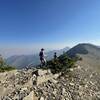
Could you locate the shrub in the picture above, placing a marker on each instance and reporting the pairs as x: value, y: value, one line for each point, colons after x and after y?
x: 62, y: 63
x: 4, y: 67
x: 77, y: 57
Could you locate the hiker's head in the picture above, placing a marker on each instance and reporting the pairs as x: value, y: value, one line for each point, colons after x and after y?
x: 42, y: 49
x: 55, y: 53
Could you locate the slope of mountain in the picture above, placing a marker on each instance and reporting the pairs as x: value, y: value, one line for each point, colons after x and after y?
x: 90, y: 55
x: 38, y: 84
x: 22, y: 60
x: 25, y: 60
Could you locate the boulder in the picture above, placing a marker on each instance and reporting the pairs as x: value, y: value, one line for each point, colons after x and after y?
x: 43, y: 72
x: 31, y: 96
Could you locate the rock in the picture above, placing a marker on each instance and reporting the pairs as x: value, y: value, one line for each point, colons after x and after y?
x: 55, y: 76
x: 30, y: 83
x: 31, y: 96
x: 42, y: 72
x: 79, y: 67
x: 53, y: 81
x: 91, y: 75
x: 24, y: 89
x: 71, y: 69
x: 55, y: 91
x: 72, y: 84
x: 49, y: 71
x: 86, y: 86
x: 35, y: 72
x: 45, y: 78
x: 42, y: 98
x: 63, y: 91
x: 98, y: 95
x: 34, y: 79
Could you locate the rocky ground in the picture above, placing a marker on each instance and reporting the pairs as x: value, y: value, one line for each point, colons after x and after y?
x: 79, y: 83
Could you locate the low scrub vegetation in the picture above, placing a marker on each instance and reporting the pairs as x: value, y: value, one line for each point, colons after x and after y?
x: 4, y: 67
x: 62, y: 63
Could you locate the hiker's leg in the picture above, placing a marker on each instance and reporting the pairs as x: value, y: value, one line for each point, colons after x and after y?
x: 41, y: 63
x: 41, y: 59
x: 44, y: 62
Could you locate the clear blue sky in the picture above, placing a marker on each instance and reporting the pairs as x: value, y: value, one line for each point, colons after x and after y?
x: 48, y: 23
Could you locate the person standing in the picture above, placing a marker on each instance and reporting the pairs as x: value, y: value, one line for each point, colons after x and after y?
x: 42, y: 57
x: 55, y: 56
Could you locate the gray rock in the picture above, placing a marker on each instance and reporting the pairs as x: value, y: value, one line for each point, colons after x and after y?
x: 41, y: 98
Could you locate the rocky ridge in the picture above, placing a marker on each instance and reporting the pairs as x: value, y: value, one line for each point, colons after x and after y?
x: 79, y: 83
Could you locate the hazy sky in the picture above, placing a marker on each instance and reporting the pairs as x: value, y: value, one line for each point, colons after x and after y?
x: 28, y: 25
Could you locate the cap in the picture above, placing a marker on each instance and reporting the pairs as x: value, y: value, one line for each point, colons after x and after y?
x: 42, y: 49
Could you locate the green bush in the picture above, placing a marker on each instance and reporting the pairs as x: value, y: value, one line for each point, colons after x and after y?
x: 77, y: 58
x: 4, y: 67
x: 62, y: 63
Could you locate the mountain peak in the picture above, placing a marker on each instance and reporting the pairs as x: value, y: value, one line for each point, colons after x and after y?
x: 89, y: 53
x: 83, y: 48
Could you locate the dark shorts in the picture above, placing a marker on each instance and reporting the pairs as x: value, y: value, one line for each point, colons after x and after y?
x: 41, y: 58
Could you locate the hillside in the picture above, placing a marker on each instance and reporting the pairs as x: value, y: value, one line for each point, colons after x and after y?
x: 89, y: 53
x: 38, y: 84
x: 22, y: 61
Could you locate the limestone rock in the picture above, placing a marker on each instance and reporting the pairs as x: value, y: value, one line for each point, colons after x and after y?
x: 31, y: 96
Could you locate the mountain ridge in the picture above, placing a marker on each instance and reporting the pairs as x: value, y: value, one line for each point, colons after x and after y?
x: 82, y: 48
x: 89, y: 53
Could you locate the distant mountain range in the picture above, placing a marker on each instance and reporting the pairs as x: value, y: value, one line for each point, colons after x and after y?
x: 90, y: 55
x: 21, y: 61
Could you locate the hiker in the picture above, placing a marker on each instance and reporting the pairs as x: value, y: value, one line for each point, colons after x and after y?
x: 42, y: 57
x: 55, y: 56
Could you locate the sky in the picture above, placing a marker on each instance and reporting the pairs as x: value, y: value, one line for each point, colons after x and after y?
x: 28, y: 25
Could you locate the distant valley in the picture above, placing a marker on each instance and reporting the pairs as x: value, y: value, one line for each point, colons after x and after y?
x: 21, y: 61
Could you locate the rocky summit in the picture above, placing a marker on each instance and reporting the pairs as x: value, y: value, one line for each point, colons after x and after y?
x: 78, y: 83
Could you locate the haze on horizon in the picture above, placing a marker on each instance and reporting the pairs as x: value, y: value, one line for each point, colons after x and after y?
x: 28, y: 25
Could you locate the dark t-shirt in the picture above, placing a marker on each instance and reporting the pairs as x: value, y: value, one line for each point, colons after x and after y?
x: 41, y: 54
x: 55, y: 56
